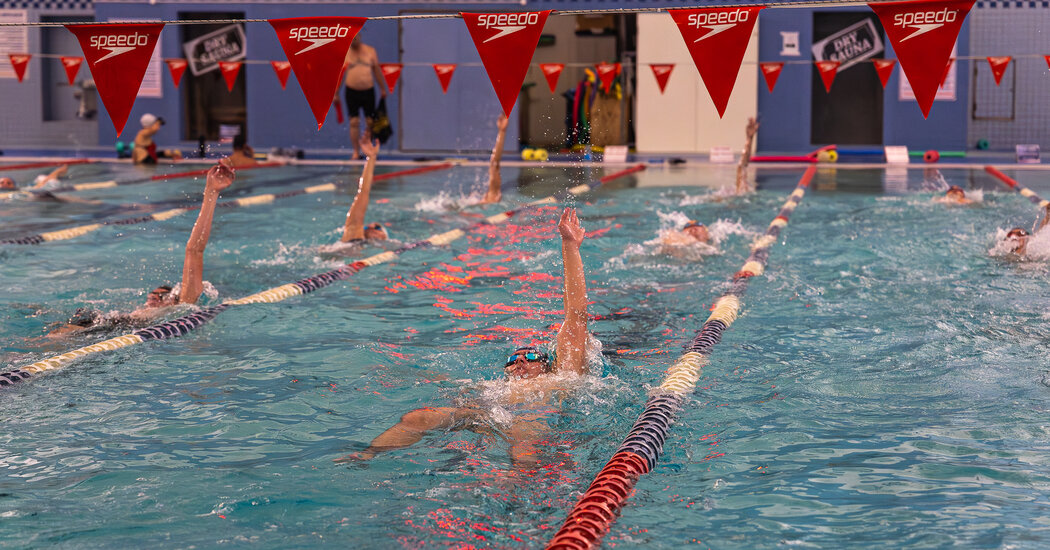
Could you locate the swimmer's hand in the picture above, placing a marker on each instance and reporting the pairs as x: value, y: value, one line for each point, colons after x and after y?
x: 220, y: 176
x: 361, y: 456
x: 370, y: 147
x: 569, y: 227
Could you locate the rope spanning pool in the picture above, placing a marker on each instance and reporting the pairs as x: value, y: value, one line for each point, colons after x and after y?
x: 591, y: 517
x: 267, y: 198
x: 184, y: 325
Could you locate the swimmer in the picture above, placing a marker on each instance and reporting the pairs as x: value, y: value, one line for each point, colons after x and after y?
x: 39, y: 190
x: 243, y: 154
x: 494, y: 194
x: 954, y: 195
x: 693, y: 232
x: 531, y: 376
x: 145, y: 151
x: 745, y: 159
x: 1017, y: 238
x: 355, y: 230
x: 159, y: 299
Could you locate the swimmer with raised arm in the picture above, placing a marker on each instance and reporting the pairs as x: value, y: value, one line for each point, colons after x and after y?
x: 494, y: 193
x: 219, y: 178
x: 531, y: 374
x: 745, y: 159
x: 354, y: 229
x: 1017, y: 238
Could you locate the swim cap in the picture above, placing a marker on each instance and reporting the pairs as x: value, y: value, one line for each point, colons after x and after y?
x: 147, y: 120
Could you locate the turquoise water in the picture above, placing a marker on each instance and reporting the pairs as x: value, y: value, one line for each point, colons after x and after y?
x: 883, y: 387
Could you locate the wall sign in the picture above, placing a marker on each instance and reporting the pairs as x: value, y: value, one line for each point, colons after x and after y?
x: 851, y: 45
x: 205, y: 52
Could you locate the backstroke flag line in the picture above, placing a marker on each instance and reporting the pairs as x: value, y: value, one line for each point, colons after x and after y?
x: 717, y: 39
x: 506, y: 42
x: 316, y: 47
x: 117, y: 57
x: 922, y: 35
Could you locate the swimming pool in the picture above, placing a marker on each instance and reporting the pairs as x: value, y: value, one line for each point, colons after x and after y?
x: 884, y: 385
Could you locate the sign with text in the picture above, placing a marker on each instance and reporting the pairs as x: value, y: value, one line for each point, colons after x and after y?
x: 897, y: 154
x: 1027, y: 153
x: 923, y: 35
x: 506, y: 42
x: 117, y: 57
x: 717, y: 39
x: 316, y: 47
x: 205, y: 52
x: 851, y: 45
x: 721, y: 155
x: 615, y: 153
x: 13, y: 39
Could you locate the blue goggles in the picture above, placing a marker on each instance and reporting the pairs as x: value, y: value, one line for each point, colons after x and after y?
x: 529, y: 356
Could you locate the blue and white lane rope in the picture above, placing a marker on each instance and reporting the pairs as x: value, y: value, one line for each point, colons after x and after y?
x: 187, y: 323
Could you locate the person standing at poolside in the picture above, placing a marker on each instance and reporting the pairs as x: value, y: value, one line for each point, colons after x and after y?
x: 189, y: 290
x: 533, y: 379
x: 362, y: 75
x: 354, y: 229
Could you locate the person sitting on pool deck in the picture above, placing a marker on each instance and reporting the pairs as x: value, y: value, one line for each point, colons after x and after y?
x: 243, y: 154
x: 494, y: 193
x: 530, y: 374
x: 145, y: 151
x: 1018, y: 237
x: 354, y: 229
x: 954, y: 195
x: 219, y: 178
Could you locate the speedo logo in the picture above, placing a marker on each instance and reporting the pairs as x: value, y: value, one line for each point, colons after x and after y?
x: 318, y: 36
x: 390, y: 70
x: 552, y: 69
x: 717, y: 22
x: 444, y: 68
x: 661, y: 70
x: 117, y: 44
x: 507, y: 23
x: 71, y: 62
x: 770, y: 68
x: 20, y: 58
x: 923, y: 22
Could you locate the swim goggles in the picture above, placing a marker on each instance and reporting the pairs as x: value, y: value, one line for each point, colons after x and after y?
x: 529, y: 356
x: 374, y: 226
x: 692, y: 223
x: 1017, y: 232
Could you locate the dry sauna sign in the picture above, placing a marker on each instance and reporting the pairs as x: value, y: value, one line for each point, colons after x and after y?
x: 205, y: 52
x: 855, y: 43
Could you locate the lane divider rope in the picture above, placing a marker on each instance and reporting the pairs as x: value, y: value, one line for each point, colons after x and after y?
x: 591, y: 517
x: 1013, y: 184
x: 183, y: 325
x: 45, y: 164
x: 73, y: 232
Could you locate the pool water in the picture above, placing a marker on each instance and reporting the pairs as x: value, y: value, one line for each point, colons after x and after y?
x: 886, y: 384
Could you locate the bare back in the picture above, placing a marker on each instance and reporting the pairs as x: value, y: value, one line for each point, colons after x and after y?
x: 360, y: 67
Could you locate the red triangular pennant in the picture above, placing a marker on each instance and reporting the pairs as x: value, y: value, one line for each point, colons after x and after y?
x: 117, y: 57
x: 391, y: 72
x: 884, y: 68
x: 999, y: 65
x: 552, y: 71
x: 662, y: 72
x: 947, y: 69
x: 72, y: 67
x: 1047, y: 57
x: 771, y: 70
x: 176, y: 67
x: 827, y: 72
x: 717, y: 39
x: 606, y: 73
x: 506, y: 42
x: 922, y: 34
x: 230, y: 70
x: 282, y: 69
x: 444, y: 73
x: 19, y: 61
x: 316, y: 47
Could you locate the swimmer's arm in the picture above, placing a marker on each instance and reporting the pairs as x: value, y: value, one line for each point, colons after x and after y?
x: 354, y: 228
x: 411, y: 428
x: 572, y: 338
x: 219, y: 177
x: 53, y: 176
x: 494, y: 193
x: 1046, y: 217
x: 523, y: 435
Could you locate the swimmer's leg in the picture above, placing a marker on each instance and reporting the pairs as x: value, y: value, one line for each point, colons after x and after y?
x: 414, y: 425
